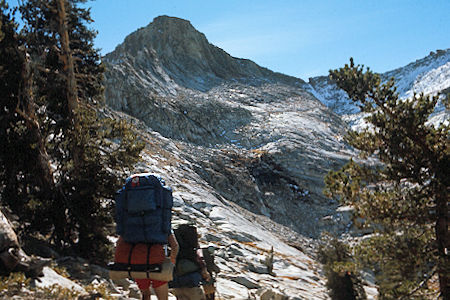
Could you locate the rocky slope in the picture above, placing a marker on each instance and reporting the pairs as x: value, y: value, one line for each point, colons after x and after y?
x: 258, y: 137
x: 242, y: 239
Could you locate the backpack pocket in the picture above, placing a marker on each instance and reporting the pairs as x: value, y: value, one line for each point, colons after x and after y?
x: 141, y: 200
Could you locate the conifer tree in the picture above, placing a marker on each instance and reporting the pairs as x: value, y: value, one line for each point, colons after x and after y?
x: 404, y: 197
x: 59, y: 89
x: 22, y: 183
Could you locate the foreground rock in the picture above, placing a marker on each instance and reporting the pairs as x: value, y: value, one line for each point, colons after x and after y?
x: 12, y: 257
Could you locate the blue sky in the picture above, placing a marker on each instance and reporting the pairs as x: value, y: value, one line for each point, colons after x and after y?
x: 302, y: 38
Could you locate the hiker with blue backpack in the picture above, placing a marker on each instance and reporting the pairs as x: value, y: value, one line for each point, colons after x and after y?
x: 143, y: 222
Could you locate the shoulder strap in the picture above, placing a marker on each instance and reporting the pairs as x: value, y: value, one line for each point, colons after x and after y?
x: 148, y: 260
x: 129, y: 259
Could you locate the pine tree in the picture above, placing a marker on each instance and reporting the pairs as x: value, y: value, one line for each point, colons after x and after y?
x: 22, y: 182
x: 405, y: 196
x: 59, y: 88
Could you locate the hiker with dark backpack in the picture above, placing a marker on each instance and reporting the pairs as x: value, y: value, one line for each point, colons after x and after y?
x: 143, y: 222
x: 190, y: 269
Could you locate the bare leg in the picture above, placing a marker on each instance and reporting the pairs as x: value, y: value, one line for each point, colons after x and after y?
x: 162, y: 292
x: 146, y: 294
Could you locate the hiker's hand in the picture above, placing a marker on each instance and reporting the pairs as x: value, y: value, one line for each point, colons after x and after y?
x: 173, y: 258
x: 205, y: 275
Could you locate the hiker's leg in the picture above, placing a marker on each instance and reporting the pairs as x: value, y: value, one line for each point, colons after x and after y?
x: 209, y: 296
x: 195, y: 293
x: 209, y: 290
x: 146, y: 294
x: 161, y: 291
x: 181, y: 294
x: 144, y: 286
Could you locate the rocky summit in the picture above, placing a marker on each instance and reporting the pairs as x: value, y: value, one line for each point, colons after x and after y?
x: 171, y: 54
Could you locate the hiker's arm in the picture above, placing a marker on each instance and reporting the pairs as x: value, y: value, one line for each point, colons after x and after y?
x: 201, y: 262
x: 173, y: 248
x: 205, y: 274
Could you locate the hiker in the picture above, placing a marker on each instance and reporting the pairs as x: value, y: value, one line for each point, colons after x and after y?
x: 143, y: 218
x: 190, y: 268
x: 208, y: 286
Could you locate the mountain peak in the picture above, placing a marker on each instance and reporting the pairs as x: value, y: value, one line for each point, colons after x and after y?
x: 184, y: 54
x: 164, y: 20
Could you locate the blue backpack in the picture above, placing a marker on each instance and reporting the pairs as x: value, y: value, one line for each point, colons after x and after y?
x: 143, y: 210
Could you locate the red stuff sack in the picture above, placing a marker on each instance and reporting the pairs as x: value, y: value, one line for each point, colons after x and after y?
x: 140, y: 261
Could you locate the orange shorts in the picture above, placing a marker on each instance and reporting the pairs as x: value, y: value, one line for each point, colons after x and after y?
x: 144, y: 284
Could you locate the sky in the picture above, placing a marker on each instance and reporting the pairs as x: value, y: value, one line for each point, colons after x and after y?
x: 301, y: 38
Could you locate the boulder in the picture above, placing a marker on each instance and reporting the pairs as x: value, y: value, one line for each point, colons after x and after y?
x: 12, y: 257
x: 267, y: 294
x: 9, y: 245
x: 248, y: 283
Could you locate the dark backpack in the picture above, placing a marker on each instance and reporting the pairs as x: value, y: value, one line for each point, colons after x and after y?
x: 143, y: 210
x: 187, y: 239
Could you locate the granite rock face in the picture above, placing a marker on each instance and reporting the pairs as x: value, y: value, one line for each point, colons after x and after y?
x: 172, y: 49
x: 236, y: 120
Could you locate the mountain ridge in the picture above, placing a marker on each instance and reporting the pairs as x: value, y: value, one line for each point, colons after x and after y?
x: 238, y: 128
x: 428, y: 75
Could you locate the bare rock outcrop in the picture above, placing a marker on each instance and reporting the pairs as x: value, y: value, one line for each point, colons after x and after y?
x: 12, y: 257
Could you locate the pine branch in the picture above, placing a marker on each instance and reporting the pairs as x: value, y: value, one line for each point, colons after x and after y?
x: 420, y: 286
x: 29, y: 120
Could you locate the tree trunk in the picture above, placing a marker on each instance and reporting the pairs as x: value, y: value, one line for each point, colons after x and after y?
x: 66, y: 56
x: 443, y: 246
x: 72, y: 94
x: 27, y: 109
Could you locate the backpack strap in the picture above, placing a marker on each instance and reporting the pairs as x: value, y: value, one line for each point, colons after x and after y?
x: 148, y: 259
x: 129, y: 259
x: 125, y: 207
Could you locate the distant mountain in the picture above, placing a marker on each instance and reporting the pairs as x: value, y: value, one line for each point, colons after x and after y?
x: 428, y: 75
x: 180, y: 54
